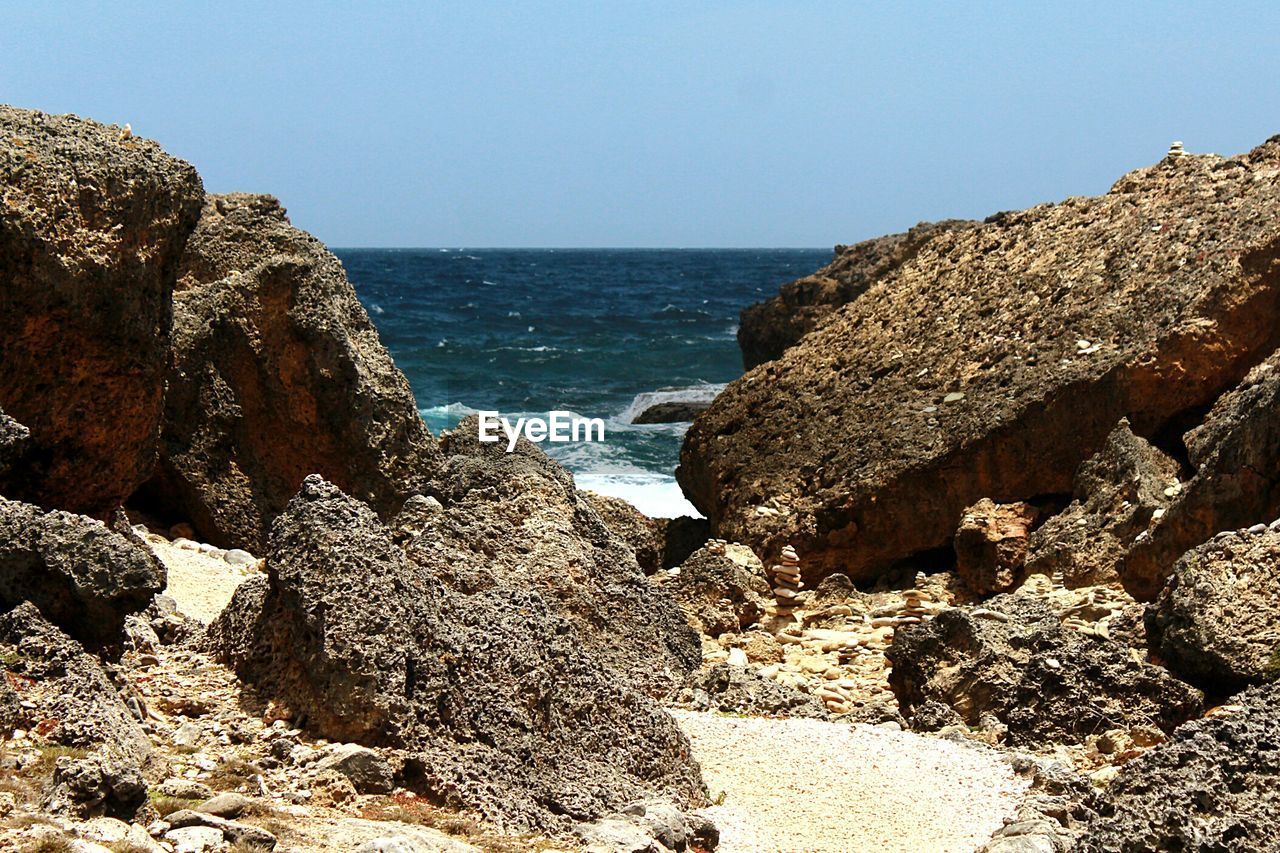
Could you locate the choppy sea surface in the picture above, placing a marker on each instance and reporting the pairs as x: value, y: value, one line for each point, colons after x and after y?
x: 599, y: 332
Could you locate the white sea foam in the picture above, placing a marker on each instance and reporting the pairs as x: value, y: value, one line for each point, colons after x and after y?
x: 704, y: 393
x: 654, y: 495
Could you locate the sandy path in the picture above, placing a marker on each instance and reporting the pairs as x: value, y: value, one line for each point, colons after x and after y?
x: 809, y: 786
x: 201, y: 584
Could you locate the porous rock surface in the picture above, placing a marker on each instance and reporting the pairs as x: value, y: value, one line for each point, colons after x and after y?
x: 1013, y: 659
x: 14, y: 439
x: 516, y: 520
x: 1217, y: 622
x: 1235, y: 454
x: 768, y: 328
x: 722, y: 588
x: 991, y: 544
x: 993, y: 362
x: 91, y: 228
x: 277, y: 373
x: 503, y: 701
x: 1215, y: 785
x: 82, y: 575
x: 642, y: 533
x: 1118, y: 494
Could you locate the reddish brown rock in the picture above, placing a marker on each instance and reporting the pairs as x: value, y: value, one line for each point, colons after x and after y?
x: 993, y: 362
x: 91, y: 228
x: 277, y: 374
x: 768, y: 328
x: 991, y: 544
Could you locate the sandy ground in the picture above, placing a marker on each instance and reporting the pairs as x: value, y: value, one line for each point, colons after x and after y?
x: 202, y: 584
x: 810, y: 786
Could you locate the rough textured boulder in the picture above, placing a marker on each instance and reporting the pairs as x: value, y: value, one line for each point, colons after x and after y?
x: 91, y: 227
x: 1118, y: 494
x: 991, y: 544
x: 502, y: 700
x: 81, y: 575
x: 1217, y: 623
x: 516, y: 520
x: 68, y: 698
x: 1236, y: 457
x: 1045, y: 683
x: 722, y: 588
x: 277, y: 374
x: 768, y: 328
x: 642, y: 533
x: 995, y: 361
x: 14, y: 440
x: 1215, y: 785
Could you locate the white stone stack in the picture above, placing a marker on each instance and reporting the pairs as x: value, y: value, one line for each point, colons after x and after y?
x: 787, y: 582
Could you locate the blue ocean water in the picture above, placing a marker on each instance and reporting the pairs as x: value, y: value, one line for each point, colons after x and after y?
x: 600, y: 333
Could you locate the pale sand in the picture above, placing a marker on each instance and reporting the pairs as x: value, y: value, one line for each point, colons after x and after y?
x: 809, y: 786
x: 202, y: 584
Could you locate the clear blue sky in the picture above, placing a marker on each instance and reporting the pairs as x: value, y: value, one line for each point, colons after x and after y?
x: 653, y: 124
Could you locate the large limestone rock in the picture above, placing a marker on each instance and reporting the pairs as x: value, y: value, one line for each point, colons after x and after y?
x: 1119, y: 492
x: 993, y: 362
x: 502, y: 702
x: 1013, y: 659
x: 64, y: 694
x: 722, y: 588
x: 1217, y: 623
x: 80, y: 574
x: 1213, y: 786
x: 1235, y: 454
x: 768, y: 328
x: 278, y: 373
x: 91, y: 228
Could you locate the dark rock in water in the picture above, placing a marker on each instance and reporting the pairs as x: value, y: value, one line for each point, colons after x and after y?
x: 516, y: 520
x: 1118, y: 494
x: 278, y: 373
x: 78, y: 572
x: 734, y: 689
x: 722, y: 588
x: 509, y: 706
x: 1047, y: 684
x: 14, y: 440
x: 1212, y: 786
x: 768, y: 328
x: 991, y: 544
x: 630, y: 525
x: 1217, y: 623
x: 1236, y: 457
x: 65, y: 684
x: 993, y: 362
x: 672, y: 412
x: 681, y: 536
x: 90, y: 236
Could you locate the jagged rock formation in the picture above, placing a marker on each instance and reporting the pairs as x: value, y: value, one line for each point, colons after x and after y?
x: 80, y: 574
x: 1046, y: 684
x: 1217, y: 623
x: 1211, y: 787
x: 642, y: 533
x: 721, y: 587
x: 768, y: 328
x: 1118, y: 493
x: 91, y: 228
x: 993, y: 362
x: 516, y: 520
x: 277, y: 374
x: 504, y: 701
x: 14, y: 439
x: 1235, y: 454
x: 991, y: 544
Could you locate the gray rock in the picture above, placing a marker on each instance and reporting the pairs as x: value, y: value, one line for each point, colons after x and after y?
x: 98, y: 785
x: 187, y: 734
x: 236, y: 833
x: 228, y: 804
x: 184, y: 789
x: 672, y: 413
x: 368, y: 771
x: 80, y: 574
x: 1217, y: 622
x: 1047, y: 684
x: 195, y: 839
x: 75, y: 691
x: 237, y: 557
x: 498, y: 698
x: 89, y: 244
x: 731, y: 689
x: 1212, y: 786
x: 277, y: 373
